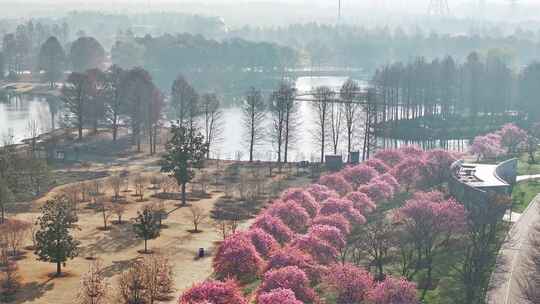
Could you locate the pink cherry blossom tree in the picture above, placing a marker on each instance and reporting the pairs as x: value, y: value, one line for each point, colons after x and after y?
x: 292, y: 278
x: 278, y: 295
x: 438, y: 163
x: 378, y: 191
x: 392, y: 291
x: 330, y: 234
x: 430, y: 222
x: 214, y: 292
x: 410, y: 172
x: 336, y: 220
x: 303, y: 198
x: 237, y: 258
x: 359, y: 175
x: 321, y: 251
x: 390, y: 157
x: 488, y: 146
x: 291, y: 256
x: 264, y: 243
x: 361, y: 202
x: 390, y: 180
x: 378, y: 165
x: 350, y: 283
x: 273, y: 226
x: 344, y: 207
x: 321, y: 193
x: 292, y: 215
x: 337, y: 183
x: 512, y: 137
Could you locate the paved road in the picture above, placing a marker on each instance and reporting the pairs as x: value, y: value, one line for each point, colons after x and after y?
x: 523, y: 178
x: 504, y: 283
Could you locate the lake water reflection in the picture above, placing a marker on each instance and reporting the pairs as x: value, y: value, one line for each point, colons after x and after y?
x: 16, y: 116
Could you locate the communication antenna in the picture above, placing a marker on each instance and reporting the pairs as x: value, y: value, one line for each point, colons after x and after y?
x: 438, y: 8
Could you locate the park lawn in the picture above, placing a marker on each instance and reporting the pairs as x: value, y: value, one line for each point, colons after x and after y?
x: 523, y: 194
x: 526, y: 168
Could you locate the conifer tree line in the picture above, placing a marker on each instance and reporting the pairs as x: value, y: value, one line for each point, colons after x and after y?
x: 480, y: 86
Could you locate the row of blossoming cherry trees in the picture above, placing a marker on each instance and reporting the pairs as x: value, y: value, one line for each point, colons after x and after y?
x: 292, y: 247
x: 507, y: 139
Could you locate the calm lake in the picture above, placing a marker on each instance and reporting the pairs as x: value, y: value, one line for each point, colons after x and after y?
x: 17, y: 116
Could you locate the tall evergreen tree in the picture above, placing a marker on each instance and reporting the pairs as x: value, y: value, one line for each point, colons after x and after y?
x: 54, y: 242
x: 186, y: 150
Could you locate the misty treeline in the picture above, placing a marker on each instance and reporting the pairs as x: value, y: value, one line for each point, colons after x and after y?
x: 444, y: 87
x: 227, y: 65
x: 367, y: 48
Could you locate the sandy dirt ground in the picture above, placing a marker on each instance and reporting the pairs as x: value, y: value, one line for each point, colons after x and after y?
x: 119, y: 246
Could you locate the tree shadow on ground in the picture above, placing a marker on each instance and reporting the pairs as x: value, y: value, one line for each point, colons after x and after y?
x: 117, y: 238
x: 33, y: 291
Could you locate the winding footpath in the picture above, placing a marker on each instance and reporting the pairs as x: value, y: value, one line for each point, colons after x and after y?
x: 504, y: 287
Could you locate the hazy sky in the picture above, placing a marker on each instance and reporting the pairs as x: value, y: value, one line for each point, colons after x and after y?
x: 301, y: 8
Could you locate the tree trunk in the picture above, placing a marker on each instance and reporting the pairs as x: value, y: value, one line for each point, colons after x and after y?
x: 115, y: 127
x: 184, y: 194
x: 2, y: 210
x: 80, y: 131
x: 58, y: 268
x: 145, y: 246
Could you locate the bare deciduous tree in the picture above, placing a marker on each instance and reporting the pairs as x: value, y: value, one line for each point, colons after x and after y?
x: 139, y: 181
x: 324, y: 97
x: 253, y: 115
x: 93, y: 288
x: 212, y: 116
x: 119, y: 211
x: 282, y: 109
x: 115, y: 182
x: 351, y: 109
x: 197, y: 215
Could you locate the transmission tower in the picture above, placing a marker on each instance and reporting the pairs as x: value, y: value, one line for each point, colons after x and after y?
x: 438, y: 8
